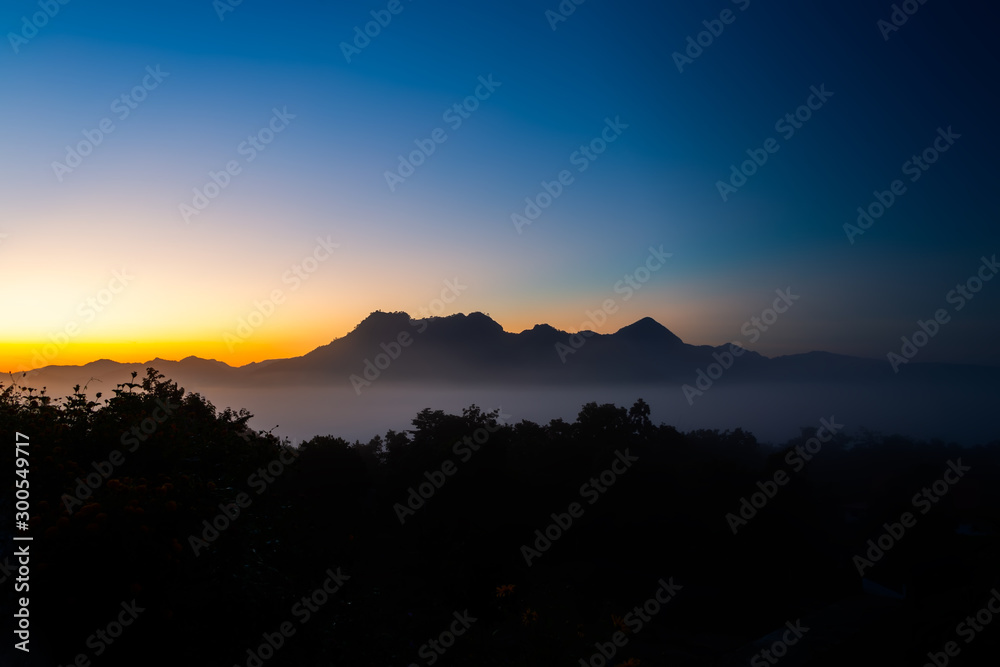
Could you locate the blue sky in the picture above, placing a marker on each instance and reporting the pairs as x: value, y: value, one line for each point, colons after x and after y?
x: 323, y: 175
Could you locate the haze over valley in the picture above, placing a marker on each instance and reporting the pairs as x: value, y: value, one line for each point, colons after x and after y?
x: 391, y: 366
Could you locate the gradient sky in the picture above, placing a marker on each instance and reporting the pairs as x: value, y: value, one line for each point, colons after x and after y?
x: 189, y: 282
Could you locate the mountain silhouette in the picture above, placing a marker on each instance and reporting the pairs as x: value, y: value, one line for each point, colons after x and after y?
x: 475, y: 348
x: 647, y: 330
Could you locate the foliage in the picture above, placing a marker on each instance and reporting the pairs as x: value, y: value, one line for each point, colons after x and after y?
x: 337, y: 505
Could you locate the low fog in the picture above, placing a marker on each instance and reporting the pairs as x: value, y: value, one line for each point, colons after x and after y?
x: 773, y: 413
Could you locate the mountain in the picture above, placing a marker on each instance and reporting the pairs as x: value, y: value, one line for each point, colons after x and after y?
x: 475, y: 349
x: 648, y: 330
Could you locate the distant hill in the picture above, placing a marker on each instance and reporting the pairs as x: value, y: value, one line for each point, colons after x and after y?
x: 474, y: 348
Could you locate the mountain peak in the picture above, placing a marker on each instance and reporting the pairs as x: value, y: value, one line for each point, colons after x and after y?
x: 380, y: 319
x: 192, y: 359
x: 466, y: 326
x: 648, y: 330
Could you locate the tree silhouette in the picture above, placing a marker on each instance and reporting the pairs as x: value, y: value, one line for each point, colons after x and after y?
x: 132, y: 534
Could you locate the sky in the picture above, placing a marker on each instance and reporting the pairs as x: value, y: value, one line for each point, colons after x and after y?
x: 246, y: 181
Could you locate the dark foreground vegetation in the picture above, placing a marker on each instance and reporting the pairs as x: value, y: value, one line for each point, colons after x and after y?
x: 425, y: 536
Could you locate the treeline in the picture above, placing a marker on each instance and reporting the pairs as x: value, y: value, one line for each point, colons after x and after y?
x: 547, y: 535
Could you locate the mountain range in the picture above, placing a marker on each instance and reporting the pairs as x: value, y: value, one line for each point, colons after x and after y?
x: 474, y: 349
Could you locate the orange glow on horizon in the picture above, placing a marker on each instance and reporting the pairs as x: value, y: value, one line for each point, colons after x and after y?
x: 261, y: 345
x: 21, y: 356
